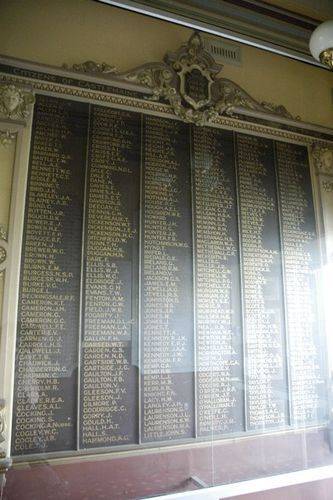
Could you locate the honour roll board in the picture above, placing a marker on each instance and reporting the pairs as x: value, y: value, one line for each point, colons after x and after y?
x: 168, y: 284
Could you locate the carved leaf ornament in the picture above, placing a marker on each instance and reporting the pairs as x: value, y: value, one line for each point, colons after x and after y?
x: 187, y: 80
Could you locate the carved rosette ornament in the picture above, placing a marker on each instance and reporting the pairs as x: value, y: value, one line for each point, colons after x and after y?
x: 187, y: 80
x: 15, y: 103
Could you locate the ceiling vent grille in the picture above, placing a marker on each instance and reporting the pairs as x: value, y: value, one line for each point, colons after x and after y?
x: 223, y: 52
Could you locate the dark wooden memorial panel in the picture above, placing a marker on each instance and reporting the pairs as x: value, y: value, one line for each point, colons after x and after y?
x: 109, y: 371
x: 168, y: 283
x: 308, y: 391
x: 220, y: 407
x: 45, y: 391
x: 167, y: 357
x: 263, y: 307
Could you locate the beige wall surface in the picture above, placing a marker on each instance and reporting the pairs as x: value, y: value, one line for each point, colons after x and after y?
x: 72, y: 31
x: 318, y: 9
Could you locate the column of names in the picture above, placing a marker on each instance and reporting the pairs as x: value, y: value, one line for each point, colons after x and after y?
x: 48, y: 320
x: 167, y: 389
x: 301, y: 262
x: 109, y: 382
x: 263, y: 308
x: 220, y: 406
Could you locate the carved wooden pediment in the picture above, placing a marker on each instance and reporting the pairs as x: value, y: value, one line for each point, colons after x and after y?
x: 188, y: 81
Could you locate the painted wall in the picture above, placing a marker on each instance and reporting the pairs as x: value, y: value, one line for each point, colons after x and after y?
x: 318, y: 9
x: 74, y: 31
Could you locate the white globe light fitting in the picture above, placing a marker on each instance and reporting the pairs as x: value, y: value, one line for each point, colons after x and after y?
x: 321, y: 43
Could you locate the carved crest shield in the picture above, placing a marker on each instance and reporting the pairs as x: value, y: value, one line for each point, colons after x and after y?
x: 195, y: 86
x: 196, y: 70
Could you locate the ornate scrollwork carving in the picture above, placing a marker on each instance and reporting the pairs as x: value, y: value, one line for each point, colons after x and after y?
x: 91, y: 67
x: 278, y: 109
x: 323, y: 159
x: 157, y: 77
x: 15, y: 103
x: 196, y: 70
x: 6, y: 137
x: 187, y: 80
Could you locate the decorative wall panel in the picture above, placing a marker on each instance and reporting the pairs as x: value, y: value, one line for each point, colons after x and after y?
x: 169, y: 278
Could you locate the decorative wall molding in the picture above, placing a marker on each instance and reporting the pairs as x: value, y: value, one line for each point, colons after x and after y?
x: 5, y: 462
x: 15, y: 103
x: 323, y: 159
x: 91, y: 67
x: 297, y: 131
x: 187, y: 80
x: 3, y: 233
x: 2, y: 423
x: 3, y: 255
